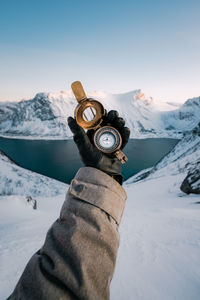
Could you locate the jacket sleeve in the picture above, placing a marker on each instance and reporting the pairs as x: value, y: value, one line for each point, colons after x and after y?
x: 78, y: 257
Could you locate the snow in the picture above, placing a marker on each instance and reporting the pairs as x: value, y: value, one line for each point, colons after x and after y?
x: 184, y: 157
x: 160, y: 244
x: 159, y: 251
x: 22, y: 232
x: 15, y: 180
x: 45, y: 116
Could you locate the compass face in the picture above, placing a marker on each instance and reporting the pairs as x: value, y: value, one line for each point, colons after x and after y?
x: 107, y: 139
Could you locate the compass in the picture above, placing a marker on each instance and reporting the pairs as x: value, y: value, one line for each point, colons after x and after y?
x: 107, y: 139
x: 89, y: 114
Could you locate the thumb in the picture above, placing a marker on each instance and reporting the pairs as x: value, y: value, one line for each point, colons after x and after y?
x: 80, y: 137
x: 75, y: 128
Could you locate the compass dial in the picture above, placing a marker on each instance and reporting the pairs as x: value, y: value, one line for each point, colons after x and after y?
x: 107, y: 139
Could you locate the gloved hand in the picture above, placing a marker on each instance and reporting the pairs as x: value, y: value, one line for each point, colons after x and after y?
x: 90, y: 155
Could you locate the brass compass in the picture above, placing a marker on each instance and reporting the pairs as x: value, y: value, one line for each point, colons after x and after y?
x: 89, y: 114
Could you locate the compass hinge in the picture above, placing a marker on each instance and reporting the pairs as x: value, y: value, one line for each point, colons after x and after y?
x: 121, y: 156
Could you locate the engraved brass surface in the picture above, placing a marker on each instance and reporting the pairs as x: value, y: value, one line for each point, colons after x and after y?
x: 78, y: 91
x: 97, y: 107
x: 121, y: 156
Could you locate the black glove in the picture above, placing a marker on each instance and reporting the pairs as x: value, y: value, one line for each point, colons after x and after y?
x: 90, y: 155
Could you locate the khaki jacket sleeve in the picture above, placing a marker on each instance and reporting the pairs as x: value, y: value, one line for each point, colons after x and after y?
x: 78, y: 257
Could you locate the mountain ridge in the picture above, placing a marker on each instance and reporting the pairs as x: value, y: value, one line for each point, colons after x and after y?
x: 45, y: 116
x: 183, y: 158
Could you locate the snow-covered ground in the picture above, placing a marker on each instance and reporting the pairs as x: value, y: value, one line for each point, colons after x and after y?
x: 160, y: 243
x: 159, y: 252
x: 22, y: 232
x: 15, y: 180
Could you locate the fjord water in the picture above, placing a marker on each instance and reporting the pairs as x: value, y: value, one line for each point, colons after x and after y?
x: 60, y: 159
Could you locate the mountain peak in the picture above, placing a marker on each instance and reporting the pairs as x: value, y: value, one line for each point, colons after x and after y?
x: 140, y: 95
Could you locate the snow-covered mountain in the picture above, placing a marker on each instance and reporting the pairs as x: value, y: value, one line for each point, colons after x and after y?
x: 158, y: 228
x: 45, y: 116
x: 15, y: 180
x: 181, y: 159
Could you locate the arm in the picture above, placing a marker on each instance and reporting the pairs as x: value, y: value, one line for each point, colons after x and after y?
x: 79, y: 254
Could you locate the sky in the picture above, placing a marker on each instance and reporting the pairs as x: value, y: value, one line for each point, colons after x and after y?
x: 114, y: 46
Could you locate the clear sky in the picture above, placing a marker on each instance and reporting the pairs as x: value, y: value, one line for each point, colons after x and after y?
x: 114, y: 46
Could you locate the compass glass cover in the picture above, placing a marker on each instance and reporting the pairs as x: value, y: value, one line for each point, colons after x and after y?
x: 107, y: 140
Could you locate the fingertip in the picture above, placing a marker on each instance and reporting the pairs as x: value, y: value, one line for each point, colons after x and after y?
x: 70, y: 120
x: 125, y: 133
x: 75, y: 128
x: 112, y: 114
x: 119, y: 123
x: 127, y: 129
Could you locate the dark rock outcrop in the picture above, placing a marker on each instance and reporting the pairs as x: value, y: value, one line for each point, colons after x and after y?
x: 191, y: 184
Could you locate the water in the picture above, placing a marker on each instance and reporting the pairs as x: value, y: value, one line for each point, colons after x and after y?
x: 59, y: 159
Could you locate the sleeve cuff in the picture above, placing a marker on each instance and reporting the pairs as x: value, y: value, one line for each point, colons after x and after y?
x: 99, y: 189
